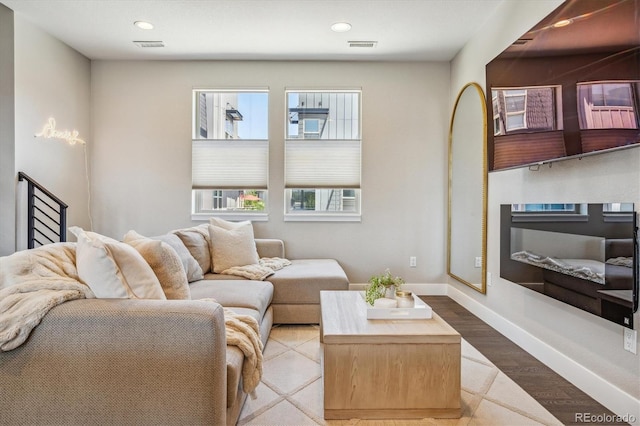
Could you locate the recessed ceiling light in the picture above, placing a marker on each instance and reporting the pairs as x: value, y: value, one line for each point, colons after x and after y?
x: 562, y: 23
x: 341, y: 27
x: 143, y: 25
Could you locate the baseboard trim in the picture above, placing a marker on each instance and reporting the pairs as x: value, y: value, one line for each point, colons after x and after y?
x: 612, y: 397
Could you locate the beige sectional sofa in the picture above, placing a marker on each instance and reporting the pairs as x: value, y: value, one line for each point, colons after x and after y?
x: 296, y: 293
x: 132, y: 361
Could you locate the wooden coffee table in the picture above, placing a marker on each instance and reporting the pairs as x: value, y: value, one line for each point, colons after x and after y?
x: 385, y: 369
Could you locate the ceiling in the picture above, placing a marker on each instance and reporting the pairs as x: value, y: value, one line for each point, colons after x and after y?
x: 405, y: 30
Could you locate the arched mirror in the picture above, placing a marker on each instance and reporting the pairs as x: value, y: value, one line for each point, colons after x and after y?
x: 467, y: 215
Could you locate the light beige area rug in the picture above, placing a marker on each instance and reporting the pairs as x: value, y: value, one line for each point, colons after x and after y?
x: 291, y: 389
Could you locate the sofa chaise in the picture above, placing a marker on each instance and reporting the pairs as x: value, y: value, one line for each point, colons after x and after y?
x: 143, y: 361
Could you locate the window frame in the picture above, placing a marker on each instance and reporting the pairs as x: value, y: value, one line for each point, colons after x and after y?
x: 515, y: 112
x: 197, y: 213
x: 322, y: 216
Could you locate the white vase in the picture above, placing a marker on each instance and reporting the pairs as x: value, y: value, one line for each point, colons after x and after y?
x: 390, y: 292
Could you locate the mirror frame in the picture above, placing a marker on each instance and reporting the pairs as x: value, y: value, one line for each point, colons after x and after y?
x: 483, y: 284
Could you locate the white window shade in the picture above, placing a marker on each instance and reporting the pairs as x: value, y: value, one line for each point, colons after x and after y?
x: 230, y: 164
x: 322, y: 163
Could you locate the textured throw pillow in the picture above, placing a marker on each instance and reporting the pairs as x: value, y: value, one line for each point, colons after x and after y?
x: 164, y: 262
x: 113, y: 269
x: 189, y: 263
x: 198, y: 243
x: 232, y: 244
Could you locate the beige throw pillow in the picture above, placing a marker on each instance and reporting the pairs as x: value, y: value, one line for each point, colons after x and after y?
x: 164, y: 262
x: 189, y: 263
x: 197, y: 241
x: 113, y: 269
x: 232, y: 244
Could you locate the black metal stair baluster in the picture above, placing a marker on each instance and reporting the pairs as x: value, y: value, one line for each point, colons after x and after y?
x: 33, y: 221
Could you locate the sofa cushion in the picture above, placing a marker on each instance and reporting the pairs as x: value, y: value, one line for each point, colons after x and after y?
x: 235, y: 358
x: 222, y: 277
x: 164, y: 262
x: 113, y: 269
x: 235, y: 293
x: 270, y: 247
x: 301, y: 282
x: 232, y: 244
x: 189, y: 263
x: 198, y: 242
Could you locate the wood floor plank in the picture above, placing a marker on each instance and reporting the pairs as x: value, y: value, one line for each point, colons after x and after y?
x: 552, y: 391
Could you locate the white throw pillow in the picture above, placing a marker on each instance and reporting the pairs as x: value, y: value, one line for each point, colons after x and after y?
x: 164, y: 262
x: 232, y: 244
x: 113, y: 269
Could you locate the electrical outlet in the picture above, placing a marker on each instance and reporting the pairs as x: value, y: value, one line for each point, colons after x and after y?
x: 630, y: 340
x: 478, y: 262
x: 489, y: 279
x: 412, y: 262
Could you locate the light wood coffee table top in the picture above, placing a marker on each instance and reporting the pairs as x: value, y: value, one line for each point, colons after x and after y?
x: 344, y: 320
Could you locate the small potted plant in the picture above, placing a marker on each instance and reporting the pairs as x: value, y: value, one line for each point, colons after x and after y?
x: 383, y: 285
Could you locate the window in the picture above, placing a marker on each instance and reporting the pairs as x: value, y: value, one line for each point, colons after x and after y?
x: 230, y: 152
x: 515, y: 110
x: 311, y: 128
x: 546, y: 208
x: 618, y: 207
x: 530, y: 109
x: 497, y: 128
x: 549, y: 212
x: 608, y: 105
x: 322, y: 155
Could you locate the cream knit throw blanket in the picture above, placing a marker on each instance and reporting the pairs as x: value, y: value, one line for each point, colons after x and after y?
x: 259, y: 271
x: 243, y: 331
x: 31, y: 283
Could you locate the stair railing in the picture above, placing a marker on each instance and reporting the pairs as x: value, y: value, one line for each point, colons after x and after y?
x: 46, y: 214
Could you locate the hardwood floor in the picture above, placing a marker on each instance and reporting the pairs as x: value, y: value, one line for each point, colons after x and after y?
x: 557, y: 395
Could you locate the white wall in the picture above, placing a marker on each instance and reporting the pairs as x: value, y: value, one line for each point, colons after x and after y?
x: 141, y: 163
x: 584, y: 348
x: 51, y: 80
x: 7, y: 149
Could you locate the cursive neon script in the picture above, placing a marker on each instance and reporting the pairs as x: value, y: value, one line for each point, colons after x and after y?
x: 49, y: 132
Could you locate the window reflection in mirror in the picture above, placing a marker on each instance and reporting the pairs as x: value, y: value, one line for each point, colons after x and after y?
x: 608, y: 105
x: 526, y: 109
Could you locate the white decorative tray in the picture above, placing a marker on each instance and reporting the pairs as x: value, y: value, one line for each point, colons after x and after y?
x: 420, y: 311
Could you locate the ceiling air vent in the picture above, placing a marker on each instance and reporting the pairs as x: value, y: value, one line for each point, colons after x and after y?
x: 521, y: 41
x: 362, y: 43
x: 149, y: 43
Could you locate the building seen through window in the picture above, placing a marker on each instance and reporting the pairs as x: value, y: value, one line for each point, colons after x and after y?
x: 230, y: 151
x: 323, y: 143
